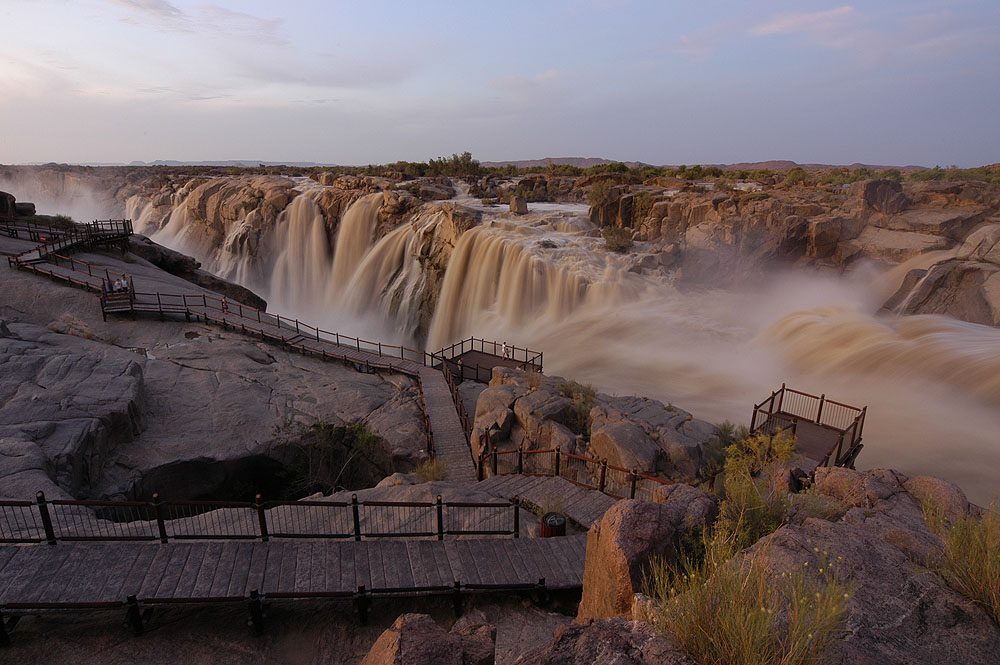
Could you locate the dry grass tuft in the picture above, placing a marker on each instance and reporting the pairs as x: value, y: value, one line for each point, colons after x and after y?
x: 430, y: 470
x: 971, y: 560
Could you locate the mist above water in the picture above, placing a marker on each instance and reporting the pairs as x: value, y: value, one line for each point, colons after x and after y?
x: 932, y: 384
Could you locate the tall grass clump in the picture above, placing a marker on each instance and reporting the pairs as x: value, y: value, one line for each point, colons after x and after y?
x: 728, y: 611
x: 971, y: 560
x: 430, y: 470
x: 750, y: 509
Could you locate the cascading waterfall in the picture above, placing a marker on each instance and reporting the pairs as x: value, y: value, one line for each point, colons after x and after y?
x: 303, y: 260
x: 542, y: 281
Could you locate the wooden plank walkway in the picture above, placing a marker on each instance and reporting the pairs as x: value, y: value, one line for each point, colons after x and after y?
x: 446, y: 428
x: 91, y: 573
x: 580, y: 504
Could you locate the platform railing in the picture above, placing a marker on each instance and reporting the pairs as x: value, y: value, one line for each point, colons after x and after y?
x: 588, y: 472
x: 59, y: 520
x: 785, y: 407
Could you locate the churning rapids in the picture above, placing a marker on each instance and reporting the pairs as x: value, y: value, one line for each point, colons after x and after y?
x: 542, y: 280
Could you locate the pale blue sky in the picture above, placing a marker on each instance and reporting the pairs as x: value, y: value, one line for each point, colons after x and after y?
x: 890, y: 82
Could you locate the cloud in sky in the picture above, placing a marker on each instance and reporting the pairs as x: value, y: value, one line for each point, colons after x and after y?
x: 637, y: 79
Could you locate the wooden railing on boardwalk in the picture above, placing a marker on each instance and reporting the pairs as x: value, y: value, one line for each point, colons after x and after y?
x: 786, y: 409
x: 589, y: 472
x: 525, y: 358
x: 61, y: 520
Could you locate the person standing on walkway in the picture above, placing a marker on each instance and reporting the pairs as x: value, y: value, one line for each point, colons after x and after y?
x: 225, y: 305
x: 506, y: 351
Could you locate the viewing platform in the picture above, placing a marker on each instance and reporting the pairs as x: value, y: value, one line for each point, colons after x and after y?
x: 473, y: 359
x: 827, y: 433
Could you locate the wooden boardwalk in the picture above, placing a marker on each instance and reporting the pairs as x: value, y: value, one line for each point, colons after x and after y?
x: 74, y: 574
x: 580, y: 504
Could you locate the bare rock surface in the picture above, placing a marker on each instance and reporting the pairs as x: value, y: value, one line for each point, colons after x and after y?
x: 612, y: 641
x: 416, y: 639
x: 204, y: 398
x: 899, y: 612
x: 66, y: 405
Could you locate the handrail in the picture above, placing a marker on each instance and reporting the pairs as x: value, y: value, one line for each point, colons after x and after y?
x: 802, y: 406
x: 561, y: 467
x: 58, y: 520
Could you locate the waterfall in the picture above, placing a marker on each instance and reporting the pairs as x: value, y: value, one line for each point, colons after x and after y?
x: 354, y: 238
x: 302, y: 265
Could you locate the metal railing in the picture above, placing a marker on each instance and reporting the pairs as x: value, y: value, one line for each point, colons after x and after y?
x: 597, y: 474
x: 43, y: 520
x: 526, y: 358
x: 785, y: 408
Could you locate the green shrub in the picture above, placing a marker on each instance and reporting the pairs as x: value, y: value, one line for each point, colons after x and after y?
x: 642, y: 203
x: 723, y: 185
x: 796, y: 176
x: 583, y: 401
x: 971, y: 560
x: 600, y: 194
x: 430, y: 470
x: 617, y: 239
x: 754, y: 196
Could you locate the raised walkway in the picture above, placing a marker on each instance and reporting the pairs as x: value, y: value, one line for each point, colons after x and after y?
x: 76, y: 574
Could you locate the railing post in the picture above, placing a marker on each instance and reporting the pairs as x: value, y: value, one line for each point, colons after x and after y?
x: 634, y: 479
x: 753, y: 420
x: 604, y: 474
x: 840, y: 445
x: 357, y: 517
x: 781, y: 396
x: 520, y: 460
x: 161, y: 524
x: 819, y: 411
x: 133, y: 616
x: 362, y: 605
x: 256, y: 613
x: 479, y: 466
x: 456, y: 598
x: 517, y: 516
x: 440, y: 517
x: 43, y: 510
x: 558, y: 459
x: 261, y: 517
x: 4, y: 636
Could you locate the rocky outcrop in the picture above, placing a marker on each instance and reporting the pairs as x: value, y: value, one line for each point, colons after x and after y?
x: 541, y: 412
x: 610, y: 642
x: 66, y: 405
x: 621, y: 545
x: 415, y: 639
x: 898, y: 613
x: 885, y: 196
x: 188, y: 268
x: 518, y: 206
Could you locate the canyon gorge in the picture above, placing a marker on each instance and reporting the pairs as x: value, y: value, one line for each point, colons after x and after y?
x: 875, y: 293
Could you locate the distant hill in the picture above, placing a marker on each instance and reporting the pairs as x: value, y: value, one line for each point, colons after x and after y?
x: 772, y: 165
x: 581, y: 162
x: 785, y: 165
x: 225, y: 162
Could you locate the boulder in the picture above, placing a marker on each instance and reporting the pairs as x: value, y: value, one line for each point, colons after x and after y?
x: 24, y: 209
x: 885, y: 196
x: 878, y: 501
x: 621, y: 544
x: 415, y: 639
x: 899, y: 613
x: 612, y: 641
x: 518, y: 205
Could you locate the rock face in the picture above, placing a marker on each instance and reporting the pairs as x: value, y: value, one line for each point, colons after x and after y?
x: 188, y: 268
x: 630, y: 432
x: 66, y: 405
x: 415, y: 639
x: 518, y: 206
x: 620, y: 546
x: 899, y: 612
x: 610, y: 641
